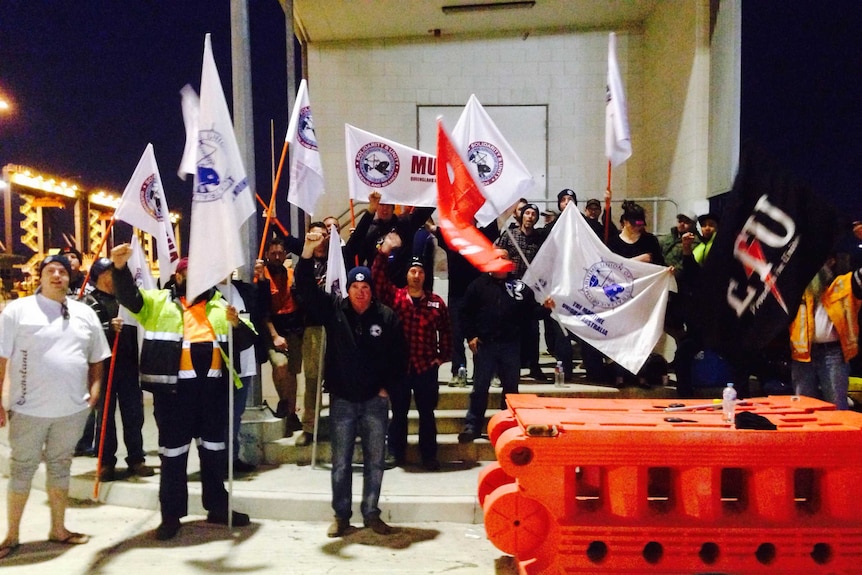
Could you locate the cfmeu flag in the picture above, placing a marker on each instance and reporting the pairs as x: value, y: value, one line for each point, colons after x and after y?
x: 222, y: 200
x: 458, y: 200
x: 774, y: 236
x: 336, y: 276
x: 615, y: 304
x: 306, y: 169
x: 402, y: 175
x: 495, y: 165
x: 143, y: 206
x: 618, y: 139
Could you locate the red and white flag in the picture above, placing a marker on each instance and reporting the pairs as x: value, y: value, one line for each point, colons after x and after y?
x: 493, y: 162
x: 336, y: 275
x: 144, y: 206
x: 306, y: 169
x: 222, y: 200
x: 402, y: 175
x: 459, y: 199
x: 615, y: 304
x: 618, y: 139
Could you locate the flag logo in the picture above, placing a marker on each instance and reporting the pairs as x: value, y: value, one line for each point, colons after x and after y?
x: 608, y: 284
x: 377, y: 164
x: 305, y: 133
x: 211, y: 187
x: 375, y: 330
x: 149, y: 197
x: 487, y: 159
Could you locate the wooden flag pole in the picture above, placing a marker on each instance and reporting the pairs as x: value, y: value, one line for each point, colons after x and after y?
x: 272, y: 201
x: 608, y: 205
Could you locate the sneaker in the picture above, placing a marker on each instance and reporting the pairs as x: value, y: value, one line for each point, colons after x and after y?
x: 467, y: 436
x: 168, y: 529
x: 305, y: 438
x: 495, y: 382
x: 142, y: 470
x: 378, y: 526
x: 240, y: 466
x: 220, y: 518
x: 107, y: 474
x: 339, y: 527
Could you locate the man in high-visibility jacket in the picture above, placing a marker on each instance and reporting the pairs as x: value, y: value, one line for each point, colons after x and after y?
x: 824, y: 336
x: 182, y: 364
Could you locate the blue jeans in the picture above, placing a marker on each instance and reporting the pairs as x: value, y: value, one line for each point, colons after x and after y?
x: 368, y: 420
x: 502, y: 358
x: 827, y: 375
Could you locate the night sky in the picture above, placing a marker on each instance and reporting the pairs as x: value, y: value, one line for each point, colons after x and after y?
x: 94, y: 82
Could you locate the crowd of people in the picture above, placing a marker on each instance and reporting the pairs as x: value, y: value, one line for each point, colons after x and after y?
x: 374, y: 350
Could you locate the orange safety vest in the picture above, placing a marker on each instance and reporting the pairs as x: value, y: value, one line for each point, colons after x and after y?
x: 842, y: 309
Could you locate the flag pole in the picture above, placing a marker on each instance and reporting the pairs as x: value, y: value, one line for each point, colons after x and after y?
x: 275, y: 218
x: 106, y: 402
x: 101, y: 245
x: 230, y: 408
x: 608, y: 205
x: 272, y: 201
x: 318, y: 400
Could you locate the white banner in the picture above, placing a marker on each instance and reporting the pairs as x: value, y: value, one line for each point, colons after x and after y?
x: 402, y: 175
x: 615, y: 304
x: 493, y: 162
x: 618, y: 139
x: 306, y: 169
x: 336, y: 276
x: 222, y: 200
x: 144, y: 206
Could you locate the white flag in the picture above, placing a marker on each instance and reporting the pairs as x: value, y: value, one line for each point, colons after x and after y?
x: 222, y: 200
x: 401, y: 174
x: 336, y: 276
x: 306, y: 169
x: 618, y: 139
x: 143, y: 279
x: 144, y: 206
x: 615, y: 304
x: 191, y: 105
x: 493, y: 162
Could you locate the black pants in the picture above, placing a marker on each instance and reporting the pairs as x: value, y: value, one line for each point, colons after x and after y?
x: 425, y: 390
x: 197, y: 410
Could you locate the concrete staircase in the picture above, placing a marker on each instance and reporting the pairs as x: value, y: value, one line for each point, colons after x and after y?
x: 450, y: 413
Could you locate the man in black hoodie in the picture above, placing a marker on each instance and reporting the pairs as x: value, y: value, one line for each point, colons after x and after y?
x: 365, y: 359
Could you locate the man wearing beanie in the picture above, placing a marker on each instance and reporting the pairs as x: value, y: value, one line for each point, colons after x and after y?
x: 428, y: 332
x: 365, y: 356
x: 53, y: 348
x: 182, y: 364
x: 76, y: 279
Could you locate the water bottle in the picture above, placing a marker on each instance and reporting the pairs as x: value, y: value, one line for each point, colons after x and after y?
x: 559, y: 375
x: 728, y: 403
x: 462, y: 376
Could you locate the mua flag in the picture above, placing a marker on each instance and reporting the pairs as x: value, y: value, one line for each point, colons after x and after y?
x: 222, y: 200
x: 336, y: 276
x: 495, y: 165
x: 774, y: 235
x: 458, y: 200
x: 618, y: 139
x: 306, y: 169
x: 381, y: 165
x: 615, y: 304
x: 144, y: 206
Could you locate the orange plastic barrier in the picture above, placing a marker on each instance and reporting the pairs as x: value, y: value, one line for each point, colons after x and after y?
x: 609, y: 486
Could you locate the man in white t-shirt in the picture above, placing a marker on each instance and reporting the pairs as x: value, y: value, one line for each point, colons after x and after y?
x: 52, y: 349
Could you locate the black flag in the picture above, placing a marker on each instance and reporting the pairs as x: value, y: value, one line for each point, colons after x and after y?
x: 773, y: 237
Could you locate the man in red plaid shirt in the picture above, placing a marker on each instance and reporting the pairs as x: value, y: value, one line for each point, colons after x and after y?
x: 428, y: 332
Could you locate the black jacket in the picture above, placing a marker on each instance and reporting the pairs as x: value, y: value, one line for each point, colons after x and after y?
x: 495, y: 310
x: 364, y: 353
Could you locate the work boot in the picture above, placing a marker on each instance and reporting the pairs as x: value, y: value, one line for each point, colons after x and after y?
x: 339, y: 528
x: 168, y: 529
x: 293, y: 423
x: 141, y: 469
x: 468, y: 435
x: 107, y: 474
x: 220, y: 518
x: 378, y: 526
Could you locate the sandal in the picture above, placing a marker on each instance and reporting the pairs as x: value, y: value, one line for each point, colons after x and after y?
x: 8, y: 549
x: 72, y: 539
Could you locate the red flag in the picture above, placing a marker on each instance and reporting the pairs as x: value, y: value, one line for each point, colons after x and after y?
x: 459, y: 198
